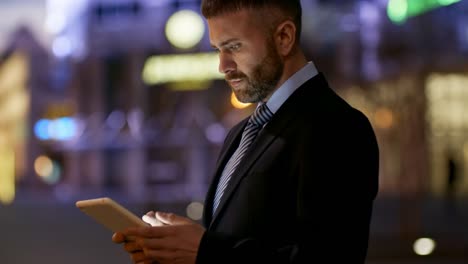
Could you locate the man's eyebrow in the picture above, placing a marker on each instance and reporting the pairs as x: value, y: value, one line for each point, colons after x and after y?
x: 224, y: 43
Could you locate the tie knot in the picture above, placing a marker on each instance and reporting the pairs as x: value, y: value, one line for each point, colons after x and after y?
x: 261, y: 115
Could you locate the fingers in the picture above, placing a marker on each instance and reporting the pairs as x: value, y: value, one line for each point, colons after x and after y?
x: 136, y: 253
x: 152, y: 220
x: 166, y: 218
x: 161, y: 218
x: 118, y: 238
x: 157, y: 243
x: 172, y: 219
x: 139, y: 256
x: 151, y: 251
x: 146, y: 262
x: 160, y: 255
x: 150, y: 213
x: 131, y: 247
x: 150, y: 232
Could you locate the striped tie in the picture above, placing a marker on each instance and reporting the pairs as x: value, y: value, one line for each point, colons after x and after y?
x: 260, y: 117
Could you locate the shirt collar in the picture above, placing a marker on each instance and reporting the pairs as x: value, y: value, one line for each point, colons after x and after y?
x: 287, y: 88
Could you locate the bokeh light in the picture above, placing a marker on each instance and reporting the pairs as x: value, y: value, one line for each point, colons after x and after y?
x: 215, y: 133
x: 7, y: 178
x: 384, y: 118
x: 47, y: 169
x: 195, y: 211
x: 185, y: 29
x: 424, y: 246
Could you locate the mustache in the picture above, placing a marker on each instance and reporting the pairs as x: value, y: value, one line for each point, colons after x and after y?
x: 235, y: 75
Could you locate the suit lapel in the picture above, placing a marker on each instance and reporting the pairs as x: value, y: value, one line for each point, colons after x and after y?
x: 265, y: 138
x: 231, y: 144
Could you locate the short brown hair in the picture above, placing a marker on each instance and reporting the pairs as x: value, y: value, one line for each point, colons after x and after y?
x: 290, y: 8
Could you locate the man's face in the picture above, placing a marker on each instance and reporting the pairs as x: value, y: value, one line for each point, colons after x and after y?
x: 247, y: 55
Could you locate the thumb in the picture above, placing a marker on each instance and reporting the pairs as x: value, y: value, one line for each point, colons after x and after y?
x: 171, y: 219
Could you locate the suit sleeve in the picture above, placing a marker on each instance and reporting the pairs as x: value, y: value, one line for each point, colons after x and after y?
x: 337, y: 192
x: 337, y: 174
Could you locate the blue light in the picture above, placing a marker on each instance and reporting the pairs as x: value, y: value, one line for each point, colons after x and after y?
x: 62, y: 47
x: 66, y: 128
x: 54, y: 177
x: 61, y: 129
x: 41, y: 129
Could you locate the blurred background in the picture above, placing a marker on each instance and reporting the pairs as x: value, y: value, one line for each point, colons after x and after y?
x: 122, y: 98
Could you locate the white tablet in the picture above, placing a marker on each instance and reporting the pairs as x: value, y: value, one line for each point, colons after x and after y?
x: 110, y: 214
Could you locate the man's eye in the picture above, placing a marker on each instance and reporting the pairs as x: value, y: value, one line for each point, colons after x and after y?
x: 235, y: 47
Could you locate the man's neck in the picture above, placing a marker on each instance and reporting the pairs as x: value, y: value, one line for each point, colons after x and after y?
x: 292, y: 65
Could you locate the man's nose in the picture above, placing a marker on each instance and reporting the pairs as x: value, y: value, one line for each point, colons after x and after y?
x: 226, y: 63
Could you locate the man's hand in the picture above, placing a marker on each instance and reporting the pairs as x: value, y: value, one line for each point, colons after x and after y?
x: 130, y: 245
x: 175, y: 242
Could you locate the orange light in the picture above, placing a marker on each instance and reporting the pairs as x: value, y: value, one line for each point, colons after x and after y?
x: 43, y: 166
x: 238, y: 104
x: 384, y: 118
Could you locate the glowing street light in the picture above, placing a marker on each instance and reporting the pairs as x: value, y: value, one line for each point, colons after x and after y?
x: 400, y: 10
x: 424, y: 246
x: 185, y: 29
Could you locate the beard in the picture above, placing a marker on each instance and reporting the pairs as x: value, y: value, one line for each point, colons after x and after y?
x: 262, y: 81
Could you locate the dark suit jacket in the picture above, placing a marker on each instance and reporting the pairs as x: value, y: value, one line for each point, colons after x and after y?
x: 303, y: 192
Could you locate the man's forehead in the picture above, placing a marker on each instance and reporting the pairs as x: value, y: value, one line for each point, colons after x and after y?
x: 222, y: 28
x: 233, y: 22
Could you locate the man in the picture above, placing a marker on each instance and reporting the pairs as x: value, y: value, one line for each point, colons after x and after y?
x: 295, y: 183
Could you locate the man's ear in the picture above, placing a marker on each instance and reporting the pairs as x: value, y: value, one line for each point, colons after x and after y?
x: 285, y: 37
